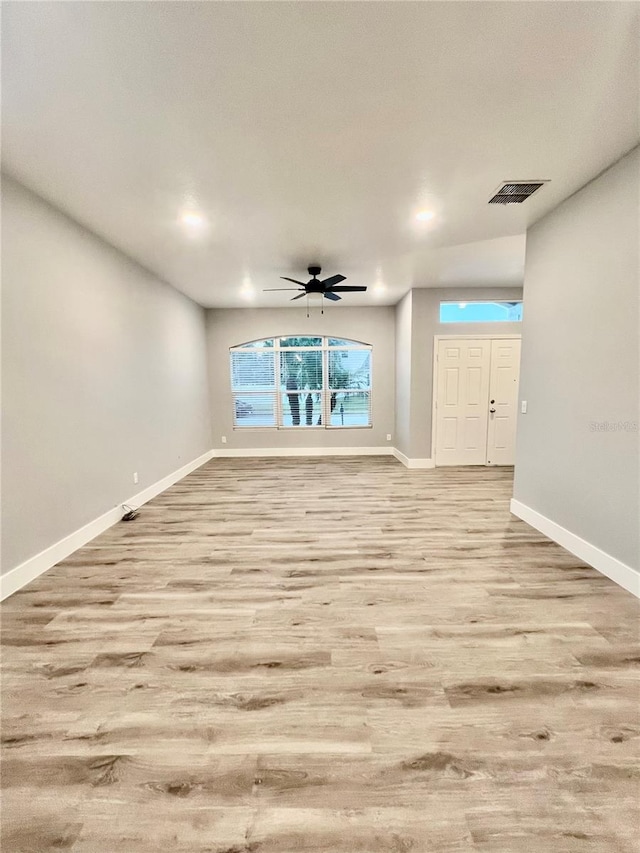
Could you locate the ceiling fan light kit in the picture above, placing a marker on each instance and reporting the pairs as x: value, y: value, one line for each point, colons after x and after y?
x: 329, y: 288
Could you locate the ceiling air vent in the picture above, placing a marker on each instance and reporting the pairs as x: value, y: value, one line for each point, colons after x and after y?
x: 515, y: 192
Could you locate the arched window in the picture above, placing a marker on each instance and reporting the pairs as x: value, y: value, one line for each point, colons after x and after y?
x: 301, y: 381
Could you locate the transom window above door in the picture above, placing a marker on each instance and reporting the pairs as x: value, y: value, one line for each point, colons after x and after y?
x: 301, y: 381
x: 480, y: 311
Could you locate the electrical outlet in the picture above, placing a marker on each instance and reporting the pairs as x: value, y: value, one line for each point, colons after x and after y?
x: 135, y: 477
x: 388, y: 436
x: 224, y: 439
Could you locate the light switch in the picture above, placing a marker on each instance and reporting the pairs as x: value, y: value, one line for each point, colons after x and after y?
x: 523, y: 407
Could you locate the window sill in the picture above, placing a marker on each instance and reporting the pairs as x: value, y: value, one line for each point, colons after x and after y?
x: 300, y: 428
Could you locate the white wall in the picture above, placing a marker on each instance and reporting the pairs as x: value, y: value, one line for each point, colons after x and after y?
x: 229, y: 327
x: 580, y: 365
x: 103, y: 374
x: 418, y: 321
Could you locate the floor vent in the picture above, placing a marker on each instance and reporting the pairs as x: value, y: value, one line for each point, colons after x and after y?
x: 515, y: 192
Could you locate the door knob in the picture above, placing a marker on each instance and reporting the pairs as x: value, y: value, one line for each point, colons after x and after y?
x: 492, y: 411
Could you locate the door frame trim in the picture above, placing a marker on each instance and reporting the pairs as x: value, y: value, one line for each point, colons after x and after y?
x: 434, y: 381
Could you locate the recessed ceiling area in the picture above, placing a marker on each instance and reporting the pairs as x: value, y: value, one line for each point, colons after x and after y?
x: 222, y: 145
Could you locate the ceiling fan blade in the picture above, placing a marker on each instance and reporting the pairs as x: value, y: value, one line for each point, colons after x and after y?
x: 332, y: 296
x: 347, y: 288
x: 273, y: 289
x: 294, y: 280
x: 335, y: 279
x: 299, y: 296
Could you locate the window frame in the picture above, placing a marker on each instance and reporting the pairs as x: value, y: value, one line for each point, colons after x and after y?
x: 325, y: 392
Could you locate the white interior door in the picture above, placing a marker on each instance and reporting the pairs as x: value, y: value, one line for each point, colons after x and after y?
x: 503, y: 401
x: 462, y: 401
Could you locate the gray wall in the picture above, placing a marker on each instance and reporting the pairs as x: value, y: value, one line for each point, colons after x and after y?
x: 419, y: 321
x: 403, y: 374
x: 580, y: 365
x: 229, y: 327
x: 103, y: 374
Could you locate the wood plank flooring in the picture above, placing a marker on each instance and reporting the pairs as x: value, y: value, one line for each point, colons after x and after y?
x: 336, y: 655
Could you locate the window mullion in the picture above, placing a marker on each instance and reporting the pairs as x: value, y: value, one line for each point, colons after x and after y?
x: 278, y: 374
x: 326, y: 406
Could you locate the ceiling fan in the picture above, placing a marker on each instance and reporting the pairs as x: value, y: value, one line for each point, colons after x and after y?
x: 329, y: 288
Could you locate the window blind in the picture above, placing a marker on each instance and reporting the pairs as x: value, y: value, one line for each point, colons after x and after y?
x: 301, y: 382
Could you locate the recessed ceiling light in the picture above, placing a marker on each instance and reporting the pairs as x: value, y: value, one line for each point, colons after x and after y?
x: 379, y: 289
x: 247, y: 291
x: 425, y: 215
x: 192, y: 219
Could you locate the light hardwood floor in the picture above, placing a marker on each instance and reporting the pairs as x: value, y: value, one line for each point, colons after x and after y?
x: 334, y: 655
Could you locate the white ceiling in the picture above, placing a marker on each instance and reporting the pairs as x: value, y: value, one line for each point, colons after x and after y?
x: 310, y: 131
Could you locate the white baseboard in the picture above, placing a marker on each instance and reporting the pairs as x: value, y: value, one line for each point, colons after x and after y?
x: 619, y: 572
x: 412, y: 463
x: 23, y: 574
x: 303, y: 451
